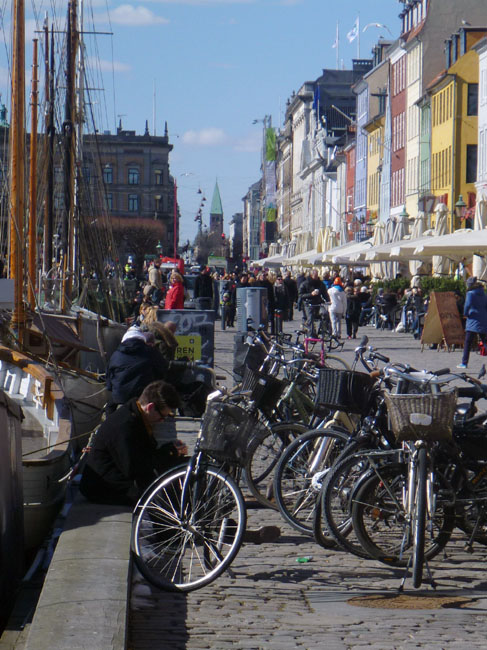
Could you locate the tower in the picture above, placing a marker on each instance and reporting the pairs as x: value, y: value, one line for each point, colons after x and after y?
x: 216, y: 212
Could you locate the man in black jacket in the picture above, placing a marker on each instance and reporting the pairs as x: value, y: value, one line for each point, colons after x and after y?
x: 312, y: 292
x: 292, y: 290
x: 125, y: 458
x: 203, y: 285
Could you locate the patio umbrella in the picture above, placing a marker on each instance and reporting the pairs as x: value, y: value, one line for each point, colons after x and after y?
x: 479, y: 266
x: 400, y: 232
x: 459, y: 246
x: 441, y: 266
x: 405, y: 250
x: 346, y: 254
x: 378, y: 238
x: 419, y: 227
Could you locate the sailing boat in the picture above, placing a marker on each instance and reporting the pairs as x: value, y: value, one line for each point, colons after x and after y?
x: 46, y: 366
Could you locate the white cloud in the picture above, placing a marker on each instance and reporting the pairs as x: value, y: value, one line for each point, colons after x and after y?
x: 108, y: 66
x: 135, y: 16
x: 250, y: 144
x: 209, y: 137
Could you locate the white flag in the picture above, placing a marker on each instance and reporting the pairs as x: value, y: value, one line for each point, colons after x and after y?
x: 335, y: 44
x: 353, y: 33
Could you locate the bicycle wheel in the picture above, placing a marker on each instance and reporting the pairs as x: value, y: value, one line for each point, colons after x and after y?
x: 264, y: 451
x: 188, y: 528
x: 419, y: 521
x: 299, y: 475
x: 332, y: 361
x: 333, y: 514
x: 382, y: 525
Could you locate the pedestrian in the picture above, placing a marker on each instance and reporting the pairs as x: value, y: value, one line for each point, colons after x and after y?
x: 352, y: 314
x: 155, y: 276
x: 263, y: 280
x: 175, y: 294
x: 338, y: 306
x: 312, y: 293
x: 124, y: 458
x: 203, y: 286
x: 475, y: 311
x: 292, y: 290
x: 281, y: 296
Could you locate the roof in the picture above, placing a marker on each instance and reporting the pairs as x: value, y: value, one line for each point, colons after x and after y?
x: 216, y: 202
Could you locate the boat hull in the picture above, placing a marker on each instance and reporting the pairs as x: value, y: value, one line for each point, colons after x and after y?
x: 11, y: 504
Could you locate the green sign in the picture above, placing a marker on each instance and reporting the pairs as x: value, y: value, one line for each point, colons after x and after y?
x: 219, y: 262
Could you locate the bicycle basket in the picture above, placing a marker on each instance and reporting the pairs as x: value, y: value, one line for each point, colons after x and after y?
x: 428, y: 416
x: 265, y: 389
x: 345, y: 390
x: 225, y: 432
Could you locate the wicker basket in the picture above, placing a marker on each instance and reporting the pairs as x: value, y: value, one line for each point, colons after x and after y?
x: 225, y: 432
x: 344, y: 390
x: 265, y: 390
x: 422, y: 417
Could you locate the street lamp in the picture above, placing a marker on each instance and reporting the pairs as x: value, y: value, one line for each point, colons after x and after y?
x: 460, y: 207
x: 404, y: 213
x: 159, y: 248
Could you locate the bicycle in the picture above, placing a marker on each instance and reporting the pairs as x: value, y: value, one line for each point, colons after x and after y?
x: 188, y: 526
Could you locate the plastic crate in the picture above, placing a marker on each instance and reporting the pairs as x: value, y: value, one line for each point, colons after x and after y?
x: 265, y: 390
x: 225, y: 432
x: 344, y: 390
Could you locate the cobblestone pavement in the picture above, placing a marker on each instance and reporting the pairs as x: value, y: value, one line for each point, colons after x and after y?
x: 272, y: 601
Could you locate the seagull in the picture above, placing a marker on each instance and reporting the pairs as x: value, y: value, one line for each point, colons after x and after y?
x: 379, y: 25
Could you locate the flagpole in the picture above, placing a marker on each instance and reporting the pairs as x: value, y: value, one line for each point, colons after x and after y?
x: 337, y: 41
x: 358, y: 36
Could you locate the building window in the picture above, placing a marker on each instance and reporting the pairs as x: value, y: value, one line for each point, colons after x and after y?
x: 158, y: 176
x: 133, y: 176
x: 473, y: 99
x: 108, y: 174
x: 471, y: 163
x: 109, y: 197
x: 133, y: 203
x: 86, y: 171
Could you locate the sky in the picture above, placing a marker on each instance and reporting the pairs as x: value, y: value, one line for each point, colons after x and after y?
x: 210, y: 69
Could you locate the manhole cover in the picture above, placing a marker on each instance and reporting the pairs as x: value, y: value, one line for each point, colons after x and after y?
x: 406, y: 601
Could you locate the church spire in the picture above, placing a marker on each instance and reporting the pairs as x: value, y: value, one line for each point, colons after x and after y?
x: 216, y: 211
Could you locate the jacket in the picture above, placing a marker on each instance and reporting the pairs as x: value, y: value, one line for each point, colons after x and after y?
x: 203, y: 286
x: 124, y: 458
x: 354, y: 307
x: 338, y: 299
x: 175, y: 297
x: 133, y: 366
x: 308, y: 286
x: 475, y: 310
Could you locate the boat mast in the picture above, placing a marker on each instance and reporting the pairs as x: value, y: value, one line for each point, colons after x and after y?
x: 50, y: 135
x: 69, y: 148
x: 17, y: 171
x: 79, y: 122
x: 32, y: 235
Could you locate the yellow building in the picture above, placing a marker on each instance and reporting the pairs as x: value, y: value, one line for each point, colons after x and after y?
x: 442, y: 92
x: 454, y: 108
x: 375, y: 144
